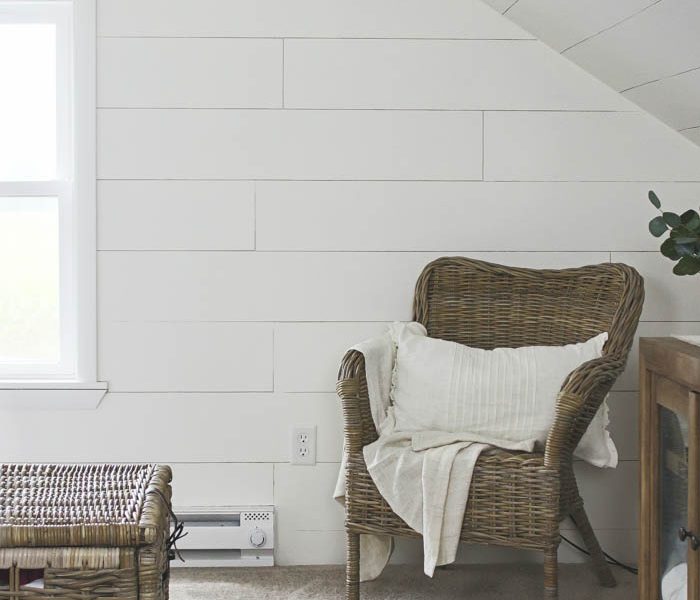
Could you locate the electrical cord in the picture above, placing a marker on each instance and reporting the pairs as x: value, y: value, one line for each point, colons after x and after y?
x: 609, y: 559
x: 178, y: 527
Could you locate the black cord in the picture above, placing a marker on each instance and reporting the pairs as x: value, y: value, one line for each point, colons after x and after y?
x: 609, y: 559
x: 178, y: 527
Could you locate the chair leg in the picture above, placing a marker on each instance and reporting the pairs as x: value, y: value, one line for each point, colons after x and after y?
x: 352, y: 566
x: 551, y: 567
x: 600, y: 565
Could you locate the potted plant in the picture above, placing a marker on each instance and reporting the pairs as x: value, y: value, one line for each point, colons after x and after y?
x: 683, y: 242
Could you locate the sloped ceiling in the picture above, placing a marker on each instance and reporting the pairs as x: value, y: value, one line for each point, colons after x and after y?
x: 648, y: 50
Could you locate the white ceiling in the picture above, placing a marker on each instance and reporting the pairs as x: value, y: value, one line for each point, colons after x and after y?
x: 648, y: 50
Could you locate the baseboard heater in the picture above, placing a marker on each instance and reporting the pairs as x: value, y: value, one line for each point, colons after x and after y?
x: 226, y: 536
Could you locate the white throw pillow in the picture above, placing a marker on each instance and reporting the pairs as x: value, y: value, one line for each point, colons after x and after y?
x: 505, y: 393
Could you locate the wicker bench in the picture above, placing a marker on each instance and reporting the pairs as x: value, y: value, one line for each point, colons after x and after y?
x: 84, y: 531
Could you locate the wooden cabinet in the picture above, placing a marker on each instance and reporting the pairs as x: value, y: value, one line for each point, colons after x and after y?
x: 669, y: 559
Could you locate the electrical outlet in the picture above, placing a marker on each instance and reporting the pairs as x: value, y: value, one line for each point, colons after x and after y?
x: 304, y: 445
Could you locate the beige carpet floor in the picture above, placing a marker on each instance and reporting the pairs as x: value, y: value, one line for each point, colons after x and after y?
x: 491, y: 582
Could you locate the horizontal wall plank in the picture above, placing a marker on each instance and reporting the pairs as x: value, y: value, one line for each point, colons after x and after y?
x: 176, y: 215
x: 319, y: 511
x: 609, y: 495
x: 256, y: 286
x: 671, y: 20
x: 308, y: 355
x: 624, y: 420
x: 279, y: 144
x: 189, y: 73
x: 442, y: 215
x: 177, y: 428
x: 222, y: 484
x: 295, y: 547
x: 527, y: 146
x: 668, y: 297
x: 303, y: 18
x: 629, y: 380
x: 161, y: 357
x: 671, y: 99
x: 273, y: 286
x: 563, y: 24
x: 440, y: 74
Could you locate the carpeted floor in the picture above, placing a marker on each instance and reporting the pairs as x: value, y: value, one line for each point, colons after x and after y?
x: 491, y: 582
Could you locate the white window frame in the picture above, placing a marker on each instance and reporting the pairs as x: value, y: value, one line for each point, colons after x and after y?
x: 74, y: 384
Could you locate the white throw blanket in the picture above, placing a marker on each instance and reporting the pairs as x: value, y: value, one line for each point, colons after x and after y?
x: 424, y: 477
x: 674, y: 583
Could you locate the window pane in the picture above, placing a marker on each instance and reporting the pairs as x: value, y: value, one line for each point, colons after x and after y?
x: 27, y: 101
x: 29, y: 294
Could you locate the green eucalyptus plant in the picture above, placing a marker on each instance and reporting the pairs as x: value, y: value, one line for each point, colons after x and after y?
x: 683, y: 242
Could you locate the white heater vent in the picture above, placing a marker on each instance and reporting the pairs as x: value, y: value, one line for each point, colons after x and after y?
x: 262, y: 516
x: 227, y: 536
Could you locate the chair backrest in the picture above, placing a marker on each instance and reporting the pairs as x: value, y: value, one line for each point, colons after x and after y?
x: 486, y: 305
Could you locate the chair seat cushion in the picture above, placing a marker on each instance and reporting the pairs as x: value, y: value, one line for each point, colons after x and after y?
x: 505, y: 393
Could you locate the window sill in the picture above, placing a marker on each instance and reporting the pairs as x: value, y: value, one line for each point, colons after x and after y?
x: 51, y: 395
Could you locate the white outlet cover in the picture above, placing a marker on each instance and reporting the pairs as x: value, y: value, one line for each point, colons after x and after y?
x: 303, y: 450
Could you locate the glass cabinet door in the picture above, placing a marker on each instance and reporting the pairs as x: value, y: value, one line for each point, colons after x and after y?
x: 679, y: 498
x: 673, y: 504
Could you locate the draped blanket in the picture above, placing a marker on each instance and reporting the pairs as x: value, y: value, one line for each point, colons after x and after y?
x: 424, y: 476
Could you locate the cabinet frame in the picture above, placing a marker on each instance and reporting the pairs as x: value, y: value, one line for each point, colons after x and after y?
x: 669, y: 377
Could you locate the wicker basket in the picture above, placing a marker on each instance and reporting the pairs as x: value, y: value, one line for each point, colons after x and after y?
x: 84, y: 532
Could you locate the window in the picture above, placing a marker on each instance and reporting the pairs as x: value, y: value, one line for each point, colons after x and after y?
x: 47, y: 191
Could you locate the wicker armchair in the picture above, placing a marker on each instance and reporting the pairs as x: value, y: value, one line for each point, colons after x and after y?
x: 516, y: 499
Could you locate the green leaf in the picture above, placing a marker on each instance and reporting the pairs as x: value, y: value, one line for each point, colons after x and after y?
x: 672, y: 219
x: 684, y: 240
x: 654, y: 199
x: 668, y: 249
x: 678, y: 270
x: 691, y: 220
x: 688, y: 265
x: 687, y: 216
x: 657, y: 226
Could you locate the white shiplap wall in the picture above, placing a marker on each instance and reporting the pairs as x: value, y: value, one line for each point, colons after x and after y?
x: 273, y: 176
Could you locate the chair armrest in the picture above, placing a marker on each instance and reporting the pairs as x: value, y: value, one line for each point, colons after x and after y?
x: 577, y: 403
x: 359, y: 427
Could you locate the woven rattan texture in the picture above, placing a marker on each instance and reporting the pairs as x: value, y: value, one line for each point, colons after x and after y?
x: 79, y: 505
x: 516, y: 499
x: 96, y: 531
